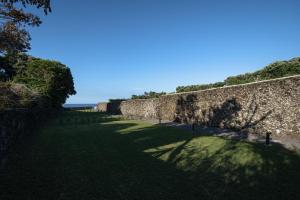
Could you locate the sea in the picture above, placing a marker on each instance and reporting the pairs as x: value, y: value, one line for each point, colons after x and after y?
x: 89, y: 105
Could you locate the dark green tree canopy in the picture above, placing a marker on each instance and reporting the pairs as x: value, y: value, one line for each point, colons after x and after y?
x: 11, y: 64
x: 48, y: 78
x: 148, y: 95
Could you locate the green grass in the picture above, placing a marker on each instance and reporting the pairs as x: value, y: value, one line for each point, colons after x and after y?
x: 86, y: 155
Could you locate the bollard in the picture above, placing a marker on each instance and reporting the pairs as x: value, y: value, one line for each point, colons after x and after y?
x: 193, y: 127
x: 268, y: 134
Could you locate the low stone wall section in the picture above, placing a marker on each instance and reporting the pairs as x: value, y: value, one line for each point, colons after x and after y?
x: 141, y: 109
x: 102, y: 107
x: 112, y: 107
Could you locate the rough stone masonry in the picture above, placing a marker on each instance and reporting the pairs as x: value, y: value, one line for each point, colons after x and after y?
x: 272, y: 105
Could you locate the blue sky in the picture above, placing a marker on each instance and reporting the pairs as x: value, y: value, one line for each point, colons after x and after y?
x: 116, y: 48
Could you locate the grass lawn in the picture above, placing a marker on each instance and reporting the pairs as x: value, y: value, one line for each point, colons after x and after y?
x: 85, y: 155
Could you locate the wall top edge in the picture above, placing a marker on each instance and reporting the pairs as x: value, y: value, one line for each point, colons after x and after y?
x: 239, y: 85
x: 229, y: 86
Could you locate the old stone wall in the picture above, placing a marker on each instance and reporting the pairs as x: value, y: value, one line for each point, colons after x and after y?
x: 21, y: 111
x: 141, y: 109
x: 17, y: 123
x: 272, y: 105
x: 102, y: 107
x: 112, y: 107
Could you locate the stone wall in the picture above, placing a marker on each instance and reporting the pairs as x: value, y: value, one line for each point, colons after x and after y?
x: 272, y: 105
x: 112, y: 107
x: 102, y: 107
x: 21, y: 112
x: 141, y: 108
x: 17, y: 123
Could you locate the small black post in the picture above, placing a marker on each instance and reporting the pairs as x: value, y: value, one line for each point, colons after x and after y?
x: 159, y: 121
x: 268, y: 138
x: 193, y: 127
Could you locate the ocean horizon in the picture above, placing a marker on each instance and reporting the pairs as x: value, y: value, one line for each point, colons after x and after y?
x: 72, y: 105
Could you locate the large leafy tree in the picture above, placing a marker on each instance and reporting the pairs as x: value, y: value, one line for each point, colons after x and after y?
x: 12, y: 64
x: 14, y: 37
x: 49, y: 78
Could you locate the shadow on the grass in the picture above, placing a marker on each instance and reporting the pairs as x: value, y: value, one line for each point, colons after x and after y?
x: 83, y: 158
x: 224, y: 168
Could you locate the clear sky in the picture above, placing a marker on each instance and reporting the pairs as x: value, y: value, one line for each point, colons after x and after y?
x: 116, y: 48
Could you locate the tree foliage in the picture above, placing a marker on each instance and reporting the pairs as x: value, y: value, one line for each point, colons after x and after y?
x: 15, y: 95
x: 11, y: 64
x: 116, y: 100
x: 13, y: 35
x: 199, y: 87
x: 49, y: 78
x: 148, y: 95
x: 274, y: 70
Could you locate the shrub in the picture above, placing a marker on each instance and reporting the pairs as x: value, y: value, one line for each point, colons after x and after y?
x: 18, y: 96
x: 274, y: 70
x: 148, y: 95
x: 49, y: 78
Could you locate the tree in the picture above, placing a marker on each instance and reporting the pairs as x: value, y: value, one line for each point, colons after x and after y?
x: 49, y: 78
x: 10, y: 65
x: 13, y: 21
x: 148, y: 95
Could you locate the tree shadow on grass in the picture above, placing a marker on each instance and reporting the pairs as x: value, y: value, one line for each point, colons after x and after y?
x: 223, y: 168
x: 126, y: 160
x: 89, y: 161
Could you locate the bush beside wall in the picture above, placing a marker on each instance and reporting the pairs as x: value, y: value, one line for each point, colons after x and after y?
x: 21, y: 110
x: 30, y: 89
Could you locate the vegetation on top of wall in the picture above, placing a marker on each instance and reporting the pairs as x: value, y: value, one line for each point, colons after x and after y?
x: 275, y: 70
x: 116, y: 100
x: 199, y: 87
x: 148, y: 95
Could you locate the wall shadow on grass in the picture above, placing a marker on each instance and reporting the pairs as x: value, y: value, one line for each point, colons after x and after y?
x: 112, y: 159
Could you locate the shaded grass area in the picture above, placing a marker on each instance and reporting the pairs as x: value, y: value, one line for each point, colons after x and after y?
x: 85, y: 155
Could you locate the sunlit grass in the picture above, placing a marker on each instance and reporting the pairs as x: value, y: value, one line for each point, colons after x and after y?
x: 88, y: 155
